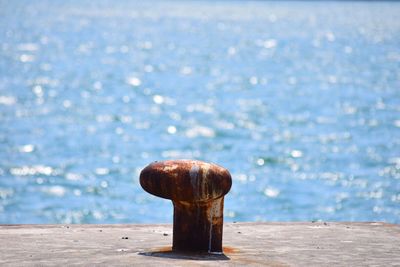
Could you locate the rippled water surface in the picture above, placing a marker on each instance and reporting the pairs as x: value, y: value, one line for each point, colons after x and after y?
x: 299, y: 100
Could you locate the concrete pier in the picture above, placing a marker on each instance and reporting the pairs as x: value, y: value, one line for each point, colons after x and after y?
x: 252, y: 244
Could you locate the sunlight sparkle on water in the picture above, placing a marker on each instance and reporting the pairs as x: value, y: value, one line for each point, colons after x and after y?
x: 299, y: 100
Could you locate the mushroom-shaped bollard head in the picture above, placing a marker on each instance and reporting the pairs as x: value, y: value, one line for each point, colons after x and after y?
x: 186, y: 180
x: 197, y: 190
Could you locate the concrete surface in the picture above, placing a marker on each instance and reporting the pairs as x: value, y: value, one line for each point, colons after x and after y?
x: 252, y: 244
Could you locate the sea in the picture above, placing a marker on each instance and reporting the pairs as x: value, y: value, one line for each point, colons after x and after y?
x: 299, y: 100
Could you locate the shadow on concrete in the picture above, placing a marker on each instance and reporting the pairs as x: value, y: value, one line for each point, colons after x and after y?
x: 168, y: 253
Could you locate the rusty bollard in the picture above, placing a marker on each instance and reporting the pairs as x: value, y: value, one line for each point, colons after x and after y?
x: 197, y: 192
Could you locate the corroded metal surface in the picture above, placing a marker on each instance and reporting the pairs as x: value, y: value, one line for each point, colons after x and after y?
x: 186, y: 180
x: 197, y: 191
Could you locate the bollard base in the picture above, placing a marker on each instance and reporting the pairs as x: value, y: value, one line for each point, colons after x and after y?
x: 198, y: 226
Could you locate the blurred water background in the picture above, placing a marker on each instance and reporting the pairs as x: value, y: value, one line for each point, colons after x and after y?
x: 299, y: 100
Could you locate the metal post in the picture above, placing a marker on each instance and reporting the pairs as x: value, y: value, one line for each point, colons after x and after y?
x: 197, y: 191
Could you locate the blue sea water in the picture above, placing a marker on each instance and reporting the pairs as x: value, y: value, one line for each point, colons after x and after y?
x: 299, y: 100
